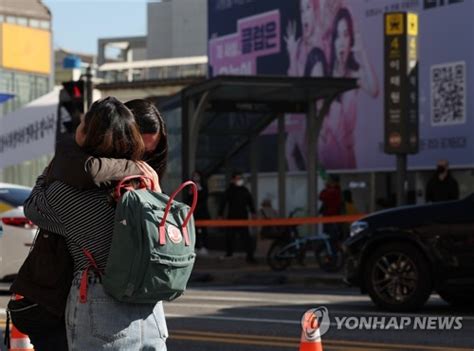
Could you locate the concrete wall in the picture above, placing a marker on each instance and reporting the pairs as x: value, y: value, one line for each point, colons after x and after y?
x: 139, y: 54
x: 159, y: 36
x: 177, y: 28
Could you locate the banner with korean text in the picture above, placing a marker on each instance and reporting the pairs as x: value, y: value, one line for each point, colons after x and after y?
x: 30, y: 132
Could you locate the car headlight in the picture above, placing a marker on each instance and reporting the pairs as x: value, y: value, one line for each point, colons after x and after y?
x: 358, y: 227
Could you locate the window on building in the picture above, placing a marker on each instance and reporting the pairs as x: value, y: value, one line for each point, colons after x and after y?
x: 2, y: 18
x: 34, y: 23
x: 26, y: 87
x: 45, y: 25
x: 22, y: 21
x: 11, y: 19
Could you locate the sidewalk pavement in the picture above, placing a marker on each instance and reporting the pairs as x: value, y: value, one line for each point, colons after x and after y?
x: 214, y: 269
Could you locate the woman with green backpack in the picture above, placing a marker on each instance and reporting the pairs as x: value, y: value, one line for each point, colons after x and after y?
x: 94, y: 320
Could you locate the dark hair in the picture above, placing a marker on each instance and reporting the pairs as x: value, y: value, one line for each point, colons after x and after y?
x: 343, y: 14
x: 111, y: 131
x: 315, y: 56
x: 150, y: 121
x: 237, y: 174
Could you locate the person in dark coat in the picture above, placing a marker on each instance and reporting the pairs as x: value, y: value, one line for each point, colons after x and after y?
x: 442, y: 186
x: 239, y: 203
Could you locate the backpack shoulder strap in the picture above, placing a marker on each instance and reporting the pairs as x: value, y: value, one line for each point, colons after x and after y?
x: 124, y: 185
x: 162, y: 229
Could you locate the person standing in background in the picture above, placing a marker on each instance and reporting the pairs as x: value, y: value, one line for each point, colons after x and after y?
x: 442, y: 186
x: 239, y: 203
x: 332, y: 205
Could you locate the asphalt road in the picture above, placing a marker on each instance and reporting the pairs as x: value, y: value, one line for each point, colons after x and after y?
x: 268, y: 318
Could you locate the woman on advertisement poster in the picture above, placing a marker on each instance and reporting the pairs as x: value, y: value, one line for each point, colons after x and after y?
x: 308, y: 56
x: 329, y: 46
x: 316, y: 22
x: 311, y: 36
x: 348, y: 59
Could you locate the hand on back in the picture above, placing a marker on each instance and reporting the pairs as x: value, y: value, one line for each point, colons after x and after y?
x: 150, y: 173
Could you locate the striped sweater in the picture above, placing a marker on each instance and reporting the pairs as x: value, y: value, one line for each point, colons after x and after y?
x: 84, y: 217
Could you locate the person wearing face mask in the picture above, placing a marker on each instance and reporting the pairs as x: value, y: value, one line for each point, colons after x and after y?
x: 442, y: 186
x: 239, y: 202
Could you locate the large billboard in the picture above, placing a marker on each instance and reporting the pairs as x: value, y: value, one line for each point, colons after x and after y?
x: 345, y: 38
x: 24, y: 48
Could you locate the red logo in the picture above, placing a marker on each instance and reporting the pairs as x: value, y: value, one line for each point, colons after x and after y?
x: 395, y: 140
x: 174, y: 234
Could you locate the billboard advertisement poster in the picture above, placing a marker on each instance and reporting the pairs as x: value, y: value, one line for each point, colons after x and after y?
x: 345, y: 38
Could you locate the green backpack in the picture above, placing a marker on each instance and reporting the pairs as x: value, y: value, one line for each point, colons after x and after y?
x: 152, y: 253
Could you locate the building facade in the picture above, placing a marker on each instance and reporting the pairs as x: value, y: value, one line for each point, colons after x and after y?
x: 26, y: 69
x: 177, y: 28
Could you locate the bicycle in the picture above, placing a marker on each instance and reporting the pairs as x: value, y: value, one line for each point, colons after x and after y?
x: 283, y: 251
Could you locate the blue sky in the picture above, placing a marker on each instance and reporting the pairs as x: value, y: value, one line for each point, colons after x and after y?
x: 77, y: 24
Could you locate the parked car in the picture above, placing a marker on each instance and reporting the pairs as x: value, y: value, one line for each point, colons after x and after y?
x: 17, y: 233
x: 400, y: 256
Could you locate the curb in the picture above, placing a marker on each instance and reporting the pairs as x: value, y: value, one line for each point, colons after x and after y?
x: 264, y: 276
x: 232, y: 277
x: 238, y: 272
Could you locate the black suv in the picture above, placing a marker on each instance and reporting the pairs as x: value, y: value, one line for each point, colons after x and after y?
x: 400, y: 256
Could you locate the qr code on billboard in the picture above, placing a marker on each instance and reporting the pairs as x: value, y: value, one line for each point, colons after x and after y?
x: 448, y: 94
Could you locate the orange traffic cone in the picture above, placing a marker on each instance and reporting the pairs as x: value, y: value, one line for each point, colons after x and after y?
x: 18, y: 340
x: 310, y: 336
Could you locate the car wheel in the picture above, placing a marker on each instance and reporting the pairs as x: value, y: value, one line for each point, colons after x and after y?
x: 397, y: 277
x: 457, y: 298
x: 277, y: 259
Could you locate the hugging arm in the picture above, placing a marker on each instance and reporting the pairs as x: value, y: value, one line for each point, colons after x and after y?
x: 77, y: 168
x: 103, y: 171
x: 38, y: 207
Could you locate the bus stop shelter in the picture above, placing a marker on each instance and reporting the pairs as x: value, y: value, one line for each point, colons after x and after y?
x: 267, y: 98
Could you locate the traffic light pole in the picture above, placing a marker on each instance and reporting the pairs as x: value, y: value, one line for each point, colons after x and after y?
x: 89, y: 87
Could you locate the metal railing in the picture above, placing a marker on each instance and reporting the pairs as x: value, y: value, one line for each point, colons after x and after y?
x: 173, y: 68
